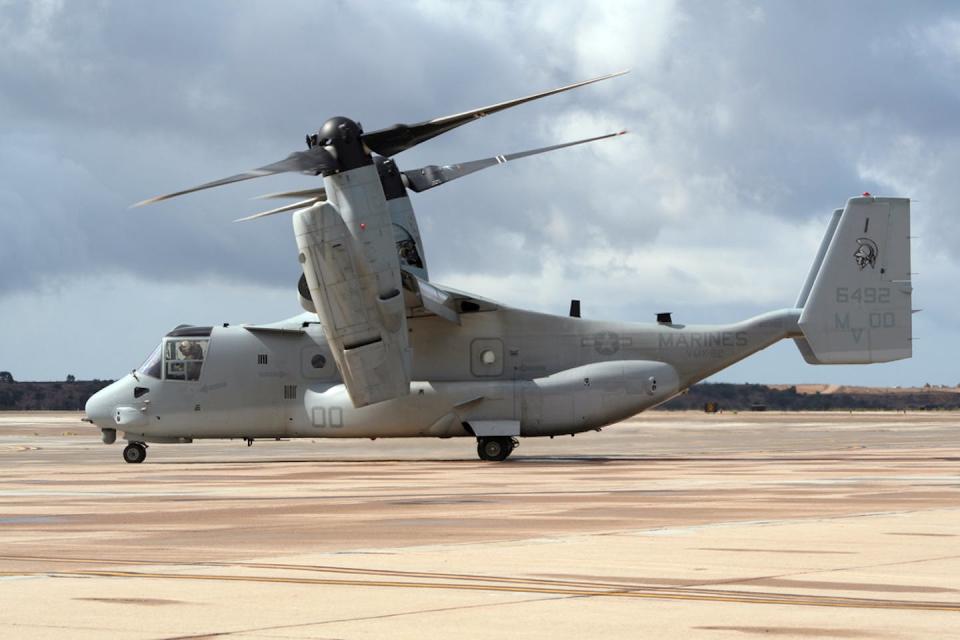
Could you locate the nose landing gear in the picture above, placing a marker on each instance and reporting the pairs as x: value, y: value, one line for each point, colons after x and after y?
x: 496, y: 448
x: 135, y: 453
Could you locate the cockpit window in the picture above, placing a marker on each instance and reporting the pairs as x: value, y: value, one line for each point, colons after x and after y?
x: 152, y: 366
x: 183, y: 358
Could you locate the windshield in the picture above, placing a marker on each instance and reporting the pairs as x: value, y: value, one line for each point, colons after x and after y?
x: 151, y: 366
x: 183, y: 359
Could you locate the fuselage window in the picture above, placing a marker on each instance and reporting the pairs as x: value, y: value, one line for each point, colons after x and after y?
x: 318, y: 361
x: 183, y: 359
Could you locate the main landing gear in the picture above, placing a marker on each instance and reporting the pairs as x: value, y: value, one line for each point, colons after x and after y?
x: 135, y: 453
x: 496, y: 448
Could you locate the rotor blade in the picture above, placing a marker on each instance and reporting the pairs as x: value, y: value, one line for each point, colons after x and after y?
x: 319, y: 192
x: 399, y: 137
x: 287, y: 207
x: 433, y: 175
x: 312, y: 161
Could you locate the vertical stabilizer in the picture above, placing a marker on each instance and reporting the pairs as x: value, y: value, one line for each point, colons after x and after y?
x: 857, y: 304
x: 818, y: 261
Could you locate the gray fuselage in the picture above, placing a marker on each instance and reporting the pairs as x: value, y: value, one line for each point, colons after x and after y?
x: 550, y: 374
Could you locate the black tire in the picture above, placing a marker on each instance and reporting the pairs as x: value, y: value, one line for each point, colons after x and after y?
x: 134, y: 453
x: 494, y: 449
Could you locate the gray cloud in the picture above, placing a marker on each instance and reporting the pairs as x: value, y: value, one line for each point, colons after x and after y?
x: 750, y: 122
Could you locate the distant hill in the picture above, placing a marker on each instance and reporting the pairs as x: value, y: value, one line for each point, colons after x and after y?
x: 745, y: 397
x: 48, y: 396
x: 72, y: 396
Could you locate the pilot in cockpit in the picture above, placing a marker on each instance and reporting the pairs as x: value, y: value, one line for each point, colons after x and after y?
x: 190, y: 350
x: 192, y: 353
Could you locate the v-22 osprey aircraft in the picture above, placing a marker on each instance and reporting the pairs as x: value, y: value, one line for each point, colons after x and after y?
x: 382, y: 352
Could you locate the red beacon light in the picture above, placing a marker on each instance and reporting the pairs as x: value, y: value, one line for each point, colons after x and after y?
x: 866, y: 194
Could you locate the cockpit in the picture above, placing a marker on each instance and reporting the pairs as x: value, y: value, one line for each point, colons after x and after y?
x: 180, y: 356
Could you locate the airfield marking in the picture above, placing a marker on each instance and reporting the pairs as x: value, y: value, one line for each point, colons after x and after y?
x: 693, y: 588
x: 329, y: 569
x: 471, y: 582
x: 647, y: 593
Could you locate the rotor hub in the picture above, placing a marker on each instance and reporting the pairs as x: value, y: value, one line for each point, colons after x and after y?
x: 346, y: 138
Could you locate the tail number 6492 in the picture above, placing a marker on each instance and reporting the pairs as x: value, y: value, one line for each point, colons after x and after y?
x: 863, y: 295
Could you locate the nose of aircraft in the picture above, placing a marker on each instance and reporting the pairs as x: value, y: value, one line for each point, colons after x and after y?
x: 100, y: 407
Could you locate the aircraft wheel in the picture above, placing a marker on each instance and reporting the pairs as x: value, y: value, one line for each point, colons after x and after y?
x: 494, y: 449
x: 134, y: 453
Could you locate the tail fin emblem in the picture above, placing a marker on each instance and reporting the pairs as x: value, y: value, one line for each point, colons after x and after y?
x: 866, y: 253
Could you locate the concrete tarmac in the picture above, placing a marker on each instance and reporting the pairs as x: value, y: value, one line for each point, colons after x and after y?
x: 731, y: 526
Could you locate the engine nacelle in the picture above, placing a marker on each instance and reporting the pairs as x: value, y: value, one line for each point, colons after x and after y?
x: 594, y: 395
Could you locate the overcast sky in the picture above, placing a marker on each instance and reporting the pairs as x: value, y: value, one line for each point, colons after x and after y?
x: 750, y: 122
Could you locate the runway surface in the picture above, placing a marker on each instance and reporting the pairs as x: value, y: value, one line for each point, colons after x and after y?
x: 685, y: 525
